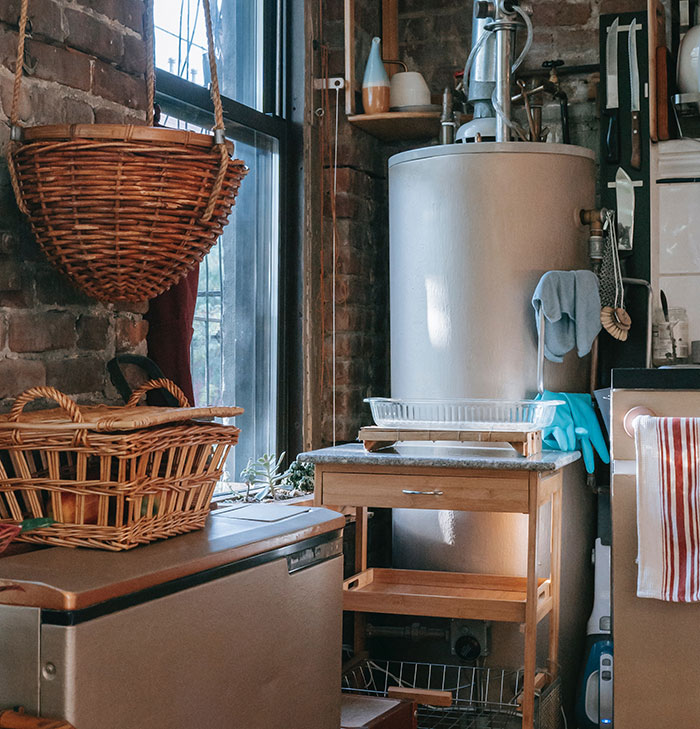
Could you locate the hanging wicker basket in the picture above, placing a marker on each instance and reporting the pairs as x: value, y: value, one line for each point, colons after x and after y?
x: 124, y: 211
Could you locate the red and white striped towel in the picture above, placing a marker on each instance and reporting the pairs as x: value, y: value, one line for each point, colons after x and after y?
x: 668, y: 508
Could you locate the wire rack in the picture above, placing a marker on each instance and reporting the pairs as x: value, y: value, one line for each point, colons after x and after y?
x: 483, y: 698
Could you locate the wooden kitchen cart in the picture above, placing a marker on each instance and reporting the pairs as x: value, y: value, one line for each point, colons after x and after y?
x: 350, y: 476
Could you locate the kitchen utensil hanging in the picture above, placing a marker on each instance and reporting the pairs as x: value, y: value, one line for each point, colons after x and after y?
x: 124, y: 211
x: 615, y: 320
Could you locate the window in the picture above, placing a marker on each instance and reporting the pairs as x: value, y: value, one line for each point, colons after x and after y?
x: 235, y: 353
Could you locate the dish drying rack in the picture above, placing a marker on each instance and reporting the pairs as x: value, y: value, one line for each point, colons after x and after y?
x: 482, y: 698
x: 518, y: 423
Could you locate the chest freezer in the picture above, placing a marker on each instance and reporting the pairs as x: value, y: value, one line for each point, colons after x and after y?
x: 238, y: 625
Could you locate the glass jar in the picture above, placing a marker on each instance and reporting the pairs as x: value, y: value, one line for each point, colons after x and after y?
x: 670, y: 342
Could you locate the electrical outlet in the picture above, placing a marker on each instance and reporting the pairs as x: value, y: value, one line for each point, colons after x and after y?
x: 470, y: 639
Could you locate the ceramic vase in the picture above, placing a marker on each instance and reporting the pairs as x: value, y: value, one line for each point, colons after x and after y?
x: 376, y: 89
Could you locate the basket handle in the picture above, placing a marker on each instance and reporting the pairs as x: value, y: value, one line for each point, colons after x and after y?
x: 163, y: 383
x: 51, y: 393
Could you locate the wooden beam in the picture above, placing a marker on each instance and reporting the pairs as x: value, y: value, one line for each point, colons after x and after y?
x: 349, y: 10
x: 390, y: 33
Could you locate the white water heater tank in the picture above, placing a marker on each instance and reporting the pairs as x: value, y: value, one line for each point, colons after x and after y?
x: 472, y: 229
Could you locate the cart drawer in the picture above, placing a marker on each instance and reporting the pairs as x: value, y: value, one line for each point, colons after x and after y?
x: 427, y: 491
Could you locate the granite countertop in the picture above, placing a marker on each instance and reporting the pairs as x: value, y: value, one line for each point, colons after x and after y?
x: 409, y: 454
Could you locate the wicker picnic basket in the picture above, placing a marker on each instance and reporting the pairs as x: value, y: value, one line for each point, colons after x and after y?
x: 124, y: 211
x: 110, y: 477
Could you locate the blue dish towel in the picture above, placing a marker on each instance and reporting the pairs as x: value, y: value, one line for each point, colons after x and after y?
x: 575, y: 427
x: 571, y: 304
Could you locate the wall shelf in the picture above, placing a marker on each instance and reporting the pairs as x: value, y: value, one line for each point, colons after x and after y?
x: 396, y: 126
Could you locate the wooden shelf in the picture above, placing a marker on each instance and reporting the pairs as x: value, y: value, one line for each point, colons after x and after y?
x: 394, y: 126
x: 443, y: 594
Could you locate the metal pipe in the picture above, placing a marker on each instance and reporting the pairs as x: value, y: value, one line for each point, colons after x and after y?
x: 540, y: 352
x: 504, y: 47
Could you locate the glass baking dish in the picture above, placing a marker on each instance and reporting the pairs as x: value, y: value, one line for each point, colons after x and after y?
x: 463, y: 414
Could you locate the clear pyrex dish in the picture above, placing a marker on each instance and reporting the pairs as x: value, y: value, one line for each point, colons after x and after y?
x: 463, y: 414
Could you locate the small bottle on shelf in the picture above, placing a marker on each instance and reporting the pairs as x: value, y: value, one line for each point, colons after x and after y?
x: 376, y: 88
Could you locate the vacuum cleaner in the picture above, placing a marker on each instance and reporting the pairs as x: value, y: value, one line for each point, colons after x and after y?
x: 594, y: 706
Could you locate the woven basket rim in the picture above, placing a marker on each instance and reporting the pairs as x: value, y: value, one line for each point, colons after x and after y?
x: 118, y: 132
x: 106, y: 418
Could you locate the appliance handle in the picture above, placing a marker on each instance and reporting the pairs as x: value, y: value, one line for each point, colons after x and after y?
x: 630, y: 419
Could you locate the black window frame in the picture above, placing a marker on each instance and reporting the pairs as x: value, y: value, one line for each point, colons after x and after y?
x: 272, y: 121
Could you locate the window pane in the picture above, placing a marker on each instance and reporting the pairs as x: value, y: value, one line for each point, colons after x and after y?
x: 181, y: 45
x: 234, y: 347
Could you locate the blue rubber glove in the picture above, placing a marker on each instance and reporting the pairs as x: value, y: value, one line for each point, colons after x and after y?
x: 575, y: 427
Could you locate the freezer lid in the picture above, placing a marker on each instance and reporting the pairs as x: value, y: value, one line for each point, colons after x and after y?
x: 74, y: 579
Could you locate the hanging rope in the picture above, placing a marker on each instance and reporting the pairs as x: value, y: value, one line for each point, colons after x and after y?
x: 149, y: 32
x: 218, y: 116
x: 14, y: 110
x: 219, y: 136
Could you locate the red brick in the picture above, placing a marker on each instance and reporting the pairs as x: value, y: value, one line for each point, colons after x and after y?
x: 10, y: 275
x: 127, y: 12
x: 92, y: 331
x: 134, y: 57
x: 17, y: 375
x: 115, y: 85
x: 130, y: 333
x: 36, y: 331
x: 76, y: 374
x: 118, y: 115
x: 93, y: 36
x: 62, y: 65
x: 74, y: 111
x: 556, y: 13
x: 54, y: 288
x: 44, y: 15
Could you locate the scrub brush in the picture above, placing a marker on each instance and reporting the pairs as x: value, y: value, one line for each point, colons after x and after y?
x: 613, y: 316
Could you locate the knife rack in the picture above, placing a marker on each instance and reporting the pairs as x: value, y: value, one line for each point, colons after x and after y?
x: 637, y: 262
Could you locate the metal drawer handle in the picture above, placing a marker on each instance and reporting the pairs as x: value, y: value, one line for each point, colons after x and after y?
x: 423, y: 493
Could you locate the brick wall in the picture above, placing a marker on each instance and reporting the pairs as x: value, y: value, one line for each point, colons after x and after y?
x: 434, y: 38
x: 361, y: 324
x: 86, y: 63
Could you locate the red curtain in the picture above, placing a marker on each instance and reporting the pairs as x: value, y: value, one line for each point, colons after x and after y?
x: 170, y: 317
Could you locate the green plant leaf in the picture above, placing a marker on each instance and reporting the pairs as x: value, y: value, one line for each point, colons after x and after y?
x: 29, y: 524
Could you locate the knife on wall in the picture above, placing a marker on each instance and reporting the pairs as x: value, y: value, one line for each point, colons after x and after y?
x: 624, y: 192
x: 612, y: 101
x: 636, y: 155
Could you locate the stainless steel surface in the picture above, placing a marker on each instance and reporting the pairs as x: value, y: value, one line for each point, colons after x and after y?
x: 462, y: 276
x: 611, y: 92
x: 19, y: 658
x: 423, y: 493
x: 482, y: 76
x: 664, y: 692
x: 504, y: 59
x: 65, y: 579
x: 225, y: 653
x: 634, y: 67
x: 624, y: 193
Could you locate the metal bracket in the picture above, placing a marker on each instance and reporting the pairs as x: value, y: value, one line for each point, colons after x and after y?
x: 625, y: 28
x: 333, y: 83
x: 635, y: 183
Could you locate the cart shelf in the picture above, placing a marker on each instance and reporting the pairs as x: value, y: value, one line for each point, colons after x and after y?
x: 443, y: 594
